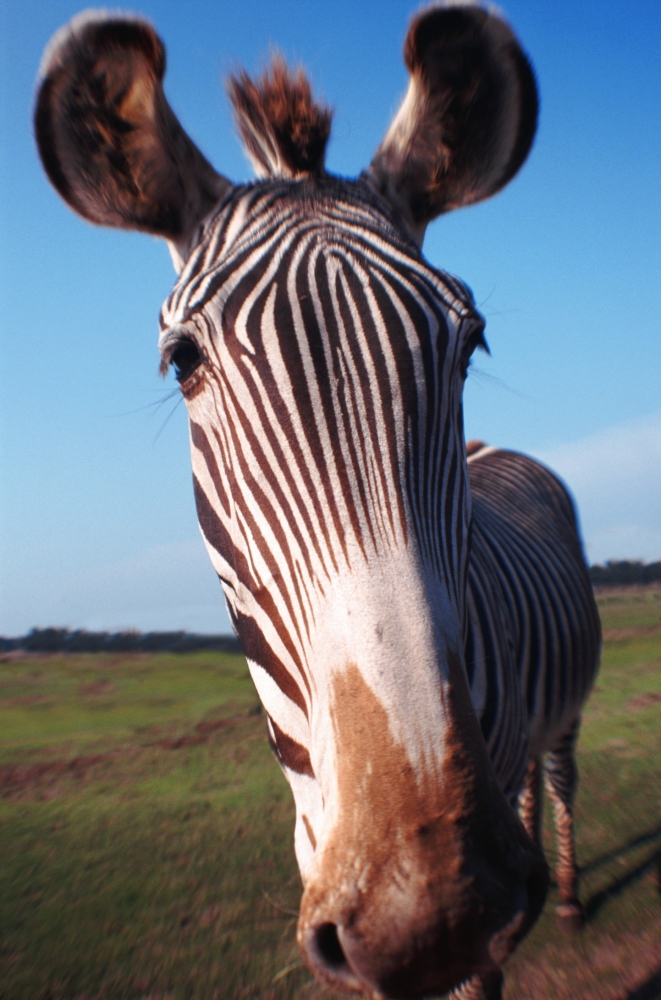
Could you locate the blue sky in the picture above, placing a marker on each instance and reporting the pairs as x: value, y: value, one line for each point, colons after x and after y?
x: 97, y: 522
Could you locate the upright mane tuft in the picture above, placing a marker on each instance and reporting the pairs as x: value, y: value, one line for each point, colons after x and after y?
x: 283, y: 130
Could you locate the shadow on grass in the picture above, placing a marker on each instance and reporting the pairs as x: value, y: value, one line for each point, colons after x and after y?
x: 649, y: 990
x: 619, y: 884
x: 639, y: 841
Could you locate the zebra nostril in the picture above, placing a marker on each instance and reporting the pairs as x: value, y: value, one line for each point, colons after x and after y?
x: 329, y: 949
x: 323, y: 951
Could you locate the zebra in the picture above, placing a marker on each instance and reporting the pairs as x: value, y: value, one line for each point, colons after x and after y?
x: 527, y: 566
x: 416, y: 614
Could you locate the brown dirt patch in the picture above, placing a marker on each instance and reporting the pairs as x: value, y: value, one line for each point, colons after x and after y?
x: 645, y: 700
x: 635, y: 632
x: 209, y: 916
x: 18, y: 654
x: 628, y: 591
x: 17, y: 780
x: 204, y: 730
x: 23, y: 700
x: 96, y: 687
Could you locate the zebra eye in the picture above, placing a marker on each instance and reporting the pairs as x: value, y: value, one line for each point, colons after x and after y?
x: 476, y: 339
x: 185, y: 358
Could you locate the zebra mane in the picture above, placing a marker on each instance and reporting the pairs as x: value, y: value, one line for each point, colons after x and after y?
x: 283, y: 130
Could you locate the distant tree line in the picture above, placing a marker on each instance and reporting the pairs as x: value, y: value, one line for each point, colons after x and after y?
x: 628, y: 571
x: 63, y: 640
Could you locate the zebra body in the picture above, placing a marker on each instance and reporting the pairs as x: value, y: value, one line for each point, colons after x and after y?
x: 533, y: 625
x: 322, y: 360
x: 532, y: 650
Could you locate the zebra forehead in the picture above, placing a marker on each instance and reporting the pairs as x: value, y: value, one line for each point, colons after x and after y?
x: 270, y: 223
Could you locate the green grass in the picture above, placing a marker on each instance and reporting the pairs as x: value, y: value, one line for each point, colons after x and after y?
x: 144, y: 869
x: 84, y: 704
x: 630, y: 607
x: 135, y: 863
x: 618, y: 825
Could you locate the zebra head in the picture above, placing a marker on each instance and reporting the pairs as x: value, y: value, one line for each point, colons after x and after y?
x: 322, y: 360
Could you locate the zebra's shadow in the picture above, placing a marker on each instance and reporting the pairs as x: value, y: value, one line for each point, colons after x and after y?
x: 653, y: 860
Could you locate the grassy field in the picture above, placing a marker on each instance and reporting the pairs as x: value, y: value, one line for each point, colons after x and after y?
x: 146, y: 832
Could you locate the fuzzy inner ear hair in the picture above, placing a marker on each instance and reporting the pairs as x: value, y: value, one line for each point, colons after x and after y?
x: 469, y: 117
x: 283, y: 129
x: 108, y: 139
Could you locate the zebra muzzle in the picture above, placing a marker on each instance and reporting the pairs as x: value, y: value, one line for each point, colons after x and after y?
x: 423, y: 880
x: 426, y: 945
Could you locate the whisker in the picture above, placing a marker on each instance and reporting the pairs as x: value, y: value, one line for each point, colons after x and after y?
x: 285, y: 972
x: 480, y: 374
x: 500, y: 312
x: 155, y: 405
x: 169, y: 416
x: 283, y: 909
x: 485, y: 300
x: 495, y: 312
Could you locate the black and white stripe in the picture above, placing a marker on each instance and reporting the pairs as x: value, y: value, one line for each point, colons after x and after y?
x: 534, y: 636
x: 336, y: 437
x: 333, y: 366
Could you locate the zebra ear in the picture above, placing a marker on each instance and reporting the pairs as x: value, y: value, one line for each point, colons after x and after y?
x: 468, y: 119
x: 107, y: 137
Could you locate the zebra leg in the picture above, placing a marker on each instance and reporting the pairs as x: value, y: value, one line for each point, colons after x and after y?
x: 530, y: 801
x: 488, y: 986
x: 561, y: 780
